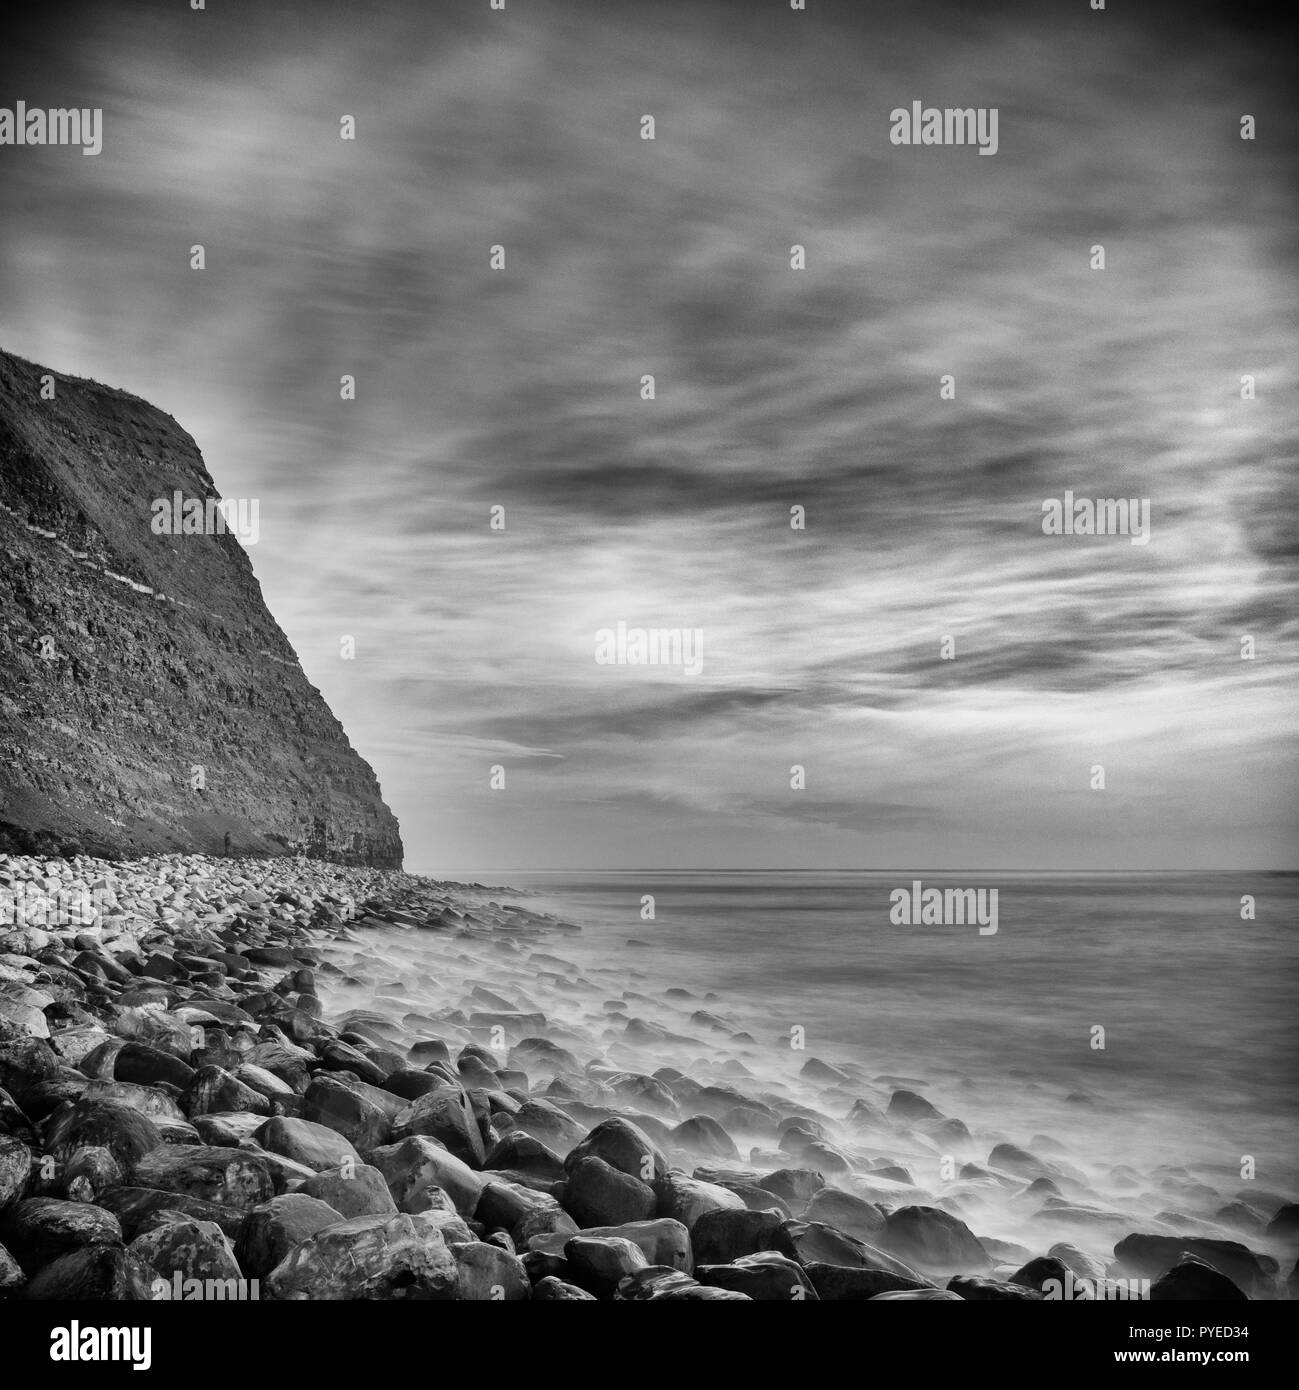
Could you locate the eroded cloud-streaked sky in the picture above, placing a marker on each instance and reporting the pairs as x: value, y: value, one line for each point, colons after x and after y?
x: 775, y: 388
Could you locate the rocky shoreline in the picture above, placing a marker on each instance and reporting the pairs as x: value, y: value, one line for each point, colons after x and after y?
x: 288, y: 1079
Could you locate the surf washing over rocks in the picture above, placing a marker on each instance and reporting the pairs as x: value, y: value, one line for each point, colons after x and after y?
x: 359, y: 1083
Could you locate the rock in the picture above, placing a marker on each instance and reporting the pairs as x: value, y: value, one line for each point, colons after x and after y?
x: 15, y: 1165
x: 135, y: 1208
x: 24, y: 1062
x: 550, y: 1124
x: 659, y: 1285
x: 123, y: 1131
x: 447, y: 1116
x: 933, y: 1239
x: 228, y: 1177
x: 316, y: 1146
x: 977, y: 1290
x: 227, y: 1131
x: 486, y: 1273
x: 417, y: 1166
x: 12, y: 1277
x: 598, y: 1263
x: 369, y: 1257
x: 849, y: 1284
x: 811, y: 1242
x: 1037, y: 1272
x: 663, y: 1241
x: 520, y: 1152
x: 94, y: 1273
x: 1010, y: 1159
x: 687, y: 1199
x: 522, y: 1212
x: 703, y: 1135
x: 908, y: 1108
x: 37, y: 1230
x: 548, y: 1289
x: 359, y: 1192
x: 622, y: 1145
x: 725, y: 1235
x: 192, y: 1249
x: 147, y: 1066
x: 849, y: 1213
x: 364, y: 1122
x: 764, y: 1276
x: 214, y: 1090
x: 276, y: 1227
x: 597, y: 1194
x: 794, y: 1185
x: 1284, y: 1226
x: 1191, y: 1280
x: 87, y: 1174
x: 1149, y: 1256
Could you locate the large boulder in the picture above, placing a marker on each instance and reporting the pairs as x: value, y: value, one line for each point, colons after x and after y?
x: 847, y: 1212
x: 361, y: 1119
x: 276, y: 1227
x: 931, y: 1238
x: 446, y: 1115
x: 622, y: 1145
x: 228, y: 1177
x: 121, y: 1129
x: 599, y: 1263
x: 597, y: 1194
x: 488, y: 1274
x: 722, y: 1236
x: 1193, y: 1281
x: 315, y: 1146
x: 664, y: 1242
x: 94, y: 1273
x: 359, y: 1192
x: 191, y: 1249
x: 417, y: 1167
x: 687, y: 1199
x: 1149, y: 1256
x: 40, y: 1229
x: 765, y: 1276
x: 368, y: 1257
x: 849, y: 1284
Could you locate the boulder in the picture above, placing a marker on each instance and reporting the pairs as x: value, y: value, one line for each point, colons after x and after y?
x: 368, y: 1257
x: 976, y: 1290
x: 597, y: 1194
x: 487, y: 1274
x: 228, y: 1177
x: 94, y: 1273
x: 849, y: 1213
x: 359, y: 1192
x: 446, y: 1115
x: 931, y: 1238
x: 363, y: 1121
x: 1191, y: 1280
x: 549, y: 1289
x: 847, y: 1284
x: 315, y: 1146
x: 723, y: 1236
x: 687, y: 1199
x: 765, y: 1276
x: 276, y: 1227
x: 192, y: 1249
x: 416, y: 1167
x: 599, y: 1263
x: 37, y: 1230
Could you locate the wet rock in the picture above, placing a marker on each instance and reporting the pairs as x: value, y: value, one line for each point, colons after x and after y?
x: 95, y: 1273
x: 1149, y: 1256
x: 659, y: 1285
x: 796, y: 1186
x: 521, y: 1211
x: 765, y: 1276
x: 549, y: 1289
x: 445, y: 1115
x: 1010, y: 1159
x: 599, y: 1263
x: 687, y: 1199
x: 192, y: 1249
x: 276, y: 1227
x: 907, y: 1107
x: 486, y: 1273
x: 522, y: 1153
x: 597, y: 1194
x: 703, y: 1135
x: 213, y: 1090
x: 15, y: 1165
x: 418, y: 1167
x: 87, y: 1174
x: 369, y: 1257
x: 547, y: 1122
x: 849, y: 1213
x: 1191, y: 1280
x: 227, y: 1131
x: 811, y: 1242
x: 12, y: 1277
x: 933, y: 1239
x: 855, y: 1284
x: 364, y: 1122
x: 722, y: 1236
x: 135, y: 1207
x: 228, y: 1177
x: 359, y: 1192
x: 122, y: 1130
x: 663, y: 1241
x: 147, y: 1066
x: 37, y: 1230
x: 918, y: 1296
x: 977, y: 1290
x: 315, y: 1146
x: 1036, y: 1273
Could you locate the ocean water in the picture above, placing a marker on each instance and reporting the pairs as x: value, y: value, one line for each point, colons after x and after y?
x: 1199, y: 1007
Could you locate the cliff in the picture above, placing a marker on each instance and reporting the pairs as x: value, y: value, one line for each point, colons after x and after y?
x: 148, y: 700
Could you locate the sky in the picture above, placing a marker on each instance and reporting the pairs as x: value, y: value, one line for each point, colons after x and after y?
x: 774, y: 388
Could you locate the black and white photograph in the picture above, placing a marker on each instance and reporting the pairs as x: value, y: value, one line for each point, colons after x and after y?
x: 649, y: 651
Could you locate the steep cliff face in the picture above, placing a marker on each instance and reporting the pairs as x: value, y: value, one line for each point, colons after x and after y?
x: 148, y: 700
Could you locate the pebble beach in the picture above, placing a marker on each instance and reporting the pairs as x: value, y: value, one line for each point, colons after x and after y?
x: 288, y: 1079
